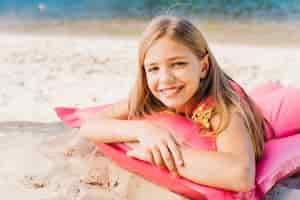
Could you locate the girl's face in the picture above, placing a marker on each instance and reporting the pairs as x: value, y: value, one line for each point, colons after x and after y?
x: 173, y: 73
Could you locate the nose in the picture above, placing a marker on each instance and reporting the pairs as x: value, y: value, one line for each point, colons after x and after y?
x: 166, y: 75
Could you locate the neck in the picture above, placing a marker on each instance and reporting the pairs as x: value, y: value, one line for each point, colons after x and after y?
x: 187, y: 109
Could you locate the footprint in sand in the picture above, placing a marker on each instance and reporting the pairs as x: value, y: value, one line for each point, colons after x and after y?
x: 34, y: 182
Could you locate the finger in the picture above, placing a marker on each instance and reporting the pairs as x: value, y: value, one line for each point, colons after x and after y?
x: 137, y: 154
x: 157, y: 156
x: 150, y: 155
x: 176, y: 153
x: 167, y: 157
x: 132, y: 153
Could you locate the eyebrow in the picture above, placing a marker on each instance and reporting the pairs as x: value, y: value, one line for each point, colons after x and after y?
x: 169, y: 59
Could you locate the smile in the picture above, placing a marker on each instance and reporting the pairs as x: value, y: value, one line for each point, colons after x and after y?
x: 170, y: 91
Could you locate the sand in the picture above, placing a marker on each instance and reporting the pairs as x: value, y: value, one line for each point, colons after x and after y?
x: 35, y: 167
x: 39, y: 72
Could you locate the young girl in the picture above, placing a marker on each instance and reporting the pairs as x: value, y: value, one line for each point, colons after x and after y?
x: 178, y: 73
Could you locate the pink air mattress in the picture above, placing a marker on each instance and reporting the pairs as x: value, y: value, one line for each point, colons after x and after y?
x: 267, y: 173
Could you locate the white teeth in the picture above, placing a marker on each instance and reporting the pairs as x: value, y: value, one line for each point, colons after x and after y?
x: 169, y: 92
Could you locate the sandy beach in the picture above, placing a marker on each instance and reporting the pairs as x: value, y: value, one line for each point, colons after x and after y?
x: 41, y: 71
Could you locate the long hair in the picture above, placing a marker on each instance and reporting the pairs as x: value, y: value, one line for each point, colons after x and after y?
x: 217, y: 84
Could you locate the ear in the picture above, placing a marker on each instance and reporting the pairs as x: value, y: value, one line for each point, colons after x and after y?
x: 204, y: 64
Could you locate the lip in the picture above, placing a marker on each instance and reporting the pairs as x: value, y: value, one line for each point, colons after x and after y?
x: 170, y: 88
x: 171, y: 91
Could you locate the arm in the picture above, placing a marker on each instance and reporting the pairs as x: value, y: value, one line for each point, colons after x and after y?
x: 117, y: 110
x: 111, y: 125
x: 231, y: 167
x: 152, y: 149
x: 107, y: 130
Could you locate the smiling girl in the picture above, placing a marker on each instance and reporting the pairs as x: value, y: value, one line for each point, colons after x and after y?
x: 178, y: 73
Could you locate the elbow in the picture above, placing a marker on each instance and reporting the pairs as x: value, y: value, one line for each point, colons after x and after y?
x: 245, y: 185
x: 85, y: 131
x: 245, y: 179
x: 82, y: 132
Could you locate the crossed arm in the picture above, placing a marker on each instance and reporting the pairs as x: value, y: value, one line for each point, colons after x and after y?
x: 232, y: 167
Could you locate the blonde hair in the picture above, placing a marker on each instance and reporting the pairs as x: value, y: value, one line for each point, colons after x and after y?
x: 217, y: 83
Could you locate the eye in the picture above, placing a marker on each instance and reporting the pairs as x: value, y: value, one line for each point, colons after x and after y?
x: 152, y: 69
x: 179, y: 64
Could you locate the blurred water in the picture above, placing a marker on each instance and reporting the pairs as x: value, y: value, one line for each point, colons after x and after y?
x: 70, y: 9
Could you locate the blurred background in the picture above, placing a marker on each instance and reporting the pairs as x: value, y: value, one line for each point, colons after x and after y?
x: 87, y: 9
x: 84, y: 52
x: 277, y: 18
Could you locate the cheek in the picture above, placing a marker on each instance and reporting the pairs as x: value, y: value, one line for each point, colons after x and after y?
x: 190, y: 77
x: 192, y: 80
x: 150, y: 82
x: 195, y: 75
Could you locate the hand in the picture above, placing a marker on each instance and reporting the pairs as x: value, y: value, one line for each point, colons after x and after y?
x: 137, y: 151
x: 161, y: 146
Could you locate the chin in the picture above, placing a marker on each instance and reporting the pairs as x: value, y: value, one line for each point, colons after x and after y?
x: 175, y: 106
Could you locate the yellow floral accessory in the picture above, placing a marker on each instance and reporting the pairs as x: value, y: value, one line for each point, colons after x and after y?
x: 203, y: 113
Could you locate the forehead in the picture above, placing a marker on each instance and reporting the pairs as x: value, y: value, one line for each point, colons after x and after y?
x: 166, y: 49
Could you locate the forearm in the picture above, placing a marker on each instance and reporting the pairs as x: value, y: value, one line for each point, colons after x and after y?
x: 217, y: 169
x: 111, y: 130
